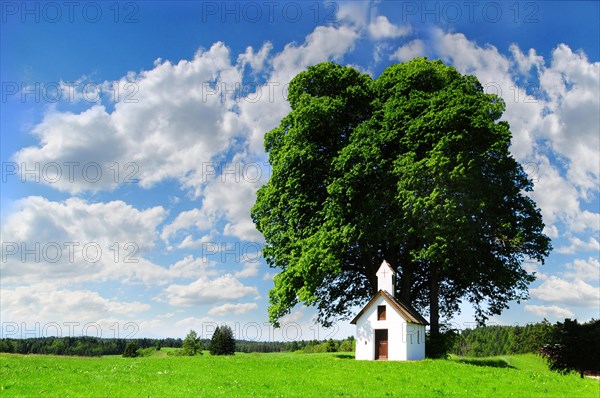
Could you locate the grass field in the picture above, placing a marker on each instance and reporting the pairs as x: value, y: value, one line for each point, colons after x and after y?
x: 284, y: 375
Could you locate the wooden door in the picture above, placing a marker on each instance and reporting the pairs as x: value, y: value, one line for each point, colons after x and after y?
x: 381, y: 344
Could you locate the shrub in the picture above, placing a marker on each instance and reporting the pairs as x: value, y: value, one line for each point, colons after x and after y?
x: 192, y: 344
x: 131, y: 350
x: 574, y: 348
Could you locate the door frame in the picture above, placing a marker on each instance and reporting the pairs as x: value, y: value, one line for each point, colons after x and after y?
x: 379, y: 335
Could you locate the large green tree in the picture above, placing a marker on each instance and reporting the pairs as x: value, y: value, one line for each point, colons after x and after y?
x: 413, y: 167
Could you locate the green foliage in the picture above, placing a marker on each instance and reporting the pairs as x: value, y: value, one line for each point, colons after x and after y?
x: 79, y: 346
x: 191, y: 344
x: 348, y: 345
x: 222, y: 341
x: 574, y: 348
x: 413, y: 167
x: 487, y: 341
x: 441, y: 345
x: 281, y: 375
x: 131, y: 350
x: 147, y: 352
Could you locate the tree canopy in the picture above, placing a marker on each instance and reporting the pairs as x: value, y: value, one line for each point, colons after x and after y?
x: 131, y: 350
x: 574, y: 347
x: 222, y: 341
x: 192, y: 344
x: 412, y: 167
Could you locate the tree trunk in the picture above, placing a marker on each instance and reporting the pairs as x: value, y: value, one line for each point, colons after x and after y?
x: 436, y: 347
x: 434, y: 304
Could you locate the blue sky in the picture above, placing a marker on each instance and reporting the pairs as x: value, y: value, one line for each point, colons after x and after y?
x: 132, y: 148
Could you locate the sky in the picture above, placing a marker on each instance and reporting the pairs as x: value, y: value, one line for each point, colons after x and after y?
x: 132, y: 150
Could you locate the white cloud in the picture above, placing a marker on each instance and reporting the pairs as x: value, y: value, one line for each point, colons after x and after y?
x: 584, y: 269
x: 43, y: 303
x: 585, y: 220
x: 578, y: 245
x: 551, y: 231
x: 205, y: 291
x: 232, y: 309
x: 268, y: 276
x: 180, y: 120
x: 381, y: 28
x: 295, y: 316
x: 549, y: 311
x: 572, y: 84
x: 74, y: 241
x: 526, y: 62
x: 190, y: 243
x: 413, y: 49
x: 325, y: 43
x: 249, y: 270
x: 559, y: 291
x: 204, y: 326
x: 256, y: 60
x: 353, y: 13
x: 193, y: 267
x: 549, y: 181
x: 176, y: 123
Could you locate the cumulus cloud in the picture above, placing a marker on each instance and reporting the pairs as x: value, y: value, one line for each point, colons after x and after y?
x: 560, y: 291
x: 549, y: 311
x: 525, y: 62
x: 572, y: 84
x: 382, y: 28
x: 44, y: 303
x: 181, y: 117
x: 249, y: 270
x: 256, y: 60
x: 325, y: 43
x: 585, y: 270
x: 232, y: 309
x: 207, y: 291
x: 413, y: 49
x: 75, y: 241
x: 577, y: 244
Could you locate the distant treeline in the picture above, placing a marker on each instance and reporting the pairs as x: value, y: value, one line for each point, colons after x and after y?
x: 308, y: 346
x: 95, y: 346
x: 503, y: 340
x: 80, y: 346
x: 479, y: 342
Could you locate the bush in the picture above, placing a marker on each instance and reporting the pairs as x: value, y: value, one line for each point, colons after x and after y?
x: 192, y: 344
x: 347, y: 345
x: 440, y: 346
x: 222, y: 341
x: 146, y: 352
x: 574, y: 348
x: 131, y: 350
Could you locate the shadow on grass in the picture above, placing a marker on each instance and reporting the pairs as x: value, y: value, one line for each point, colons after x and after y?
x: 493, y: 363
x: 344, y: 356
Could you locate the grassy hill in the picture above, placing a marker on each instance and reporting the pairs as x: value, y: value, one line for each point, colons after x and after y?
x: 284, y: 374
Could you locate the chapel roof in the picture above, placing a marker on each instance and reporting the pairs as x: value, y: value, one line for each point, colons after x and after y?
x: 408, y: 312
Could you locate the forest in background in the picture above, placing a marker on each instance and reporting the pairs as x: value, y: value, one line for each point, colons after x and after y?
x: 478, y: 342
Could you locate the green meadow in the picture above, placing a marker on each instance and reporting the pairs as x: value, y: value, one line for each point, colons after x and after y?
x: 284, y: 375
